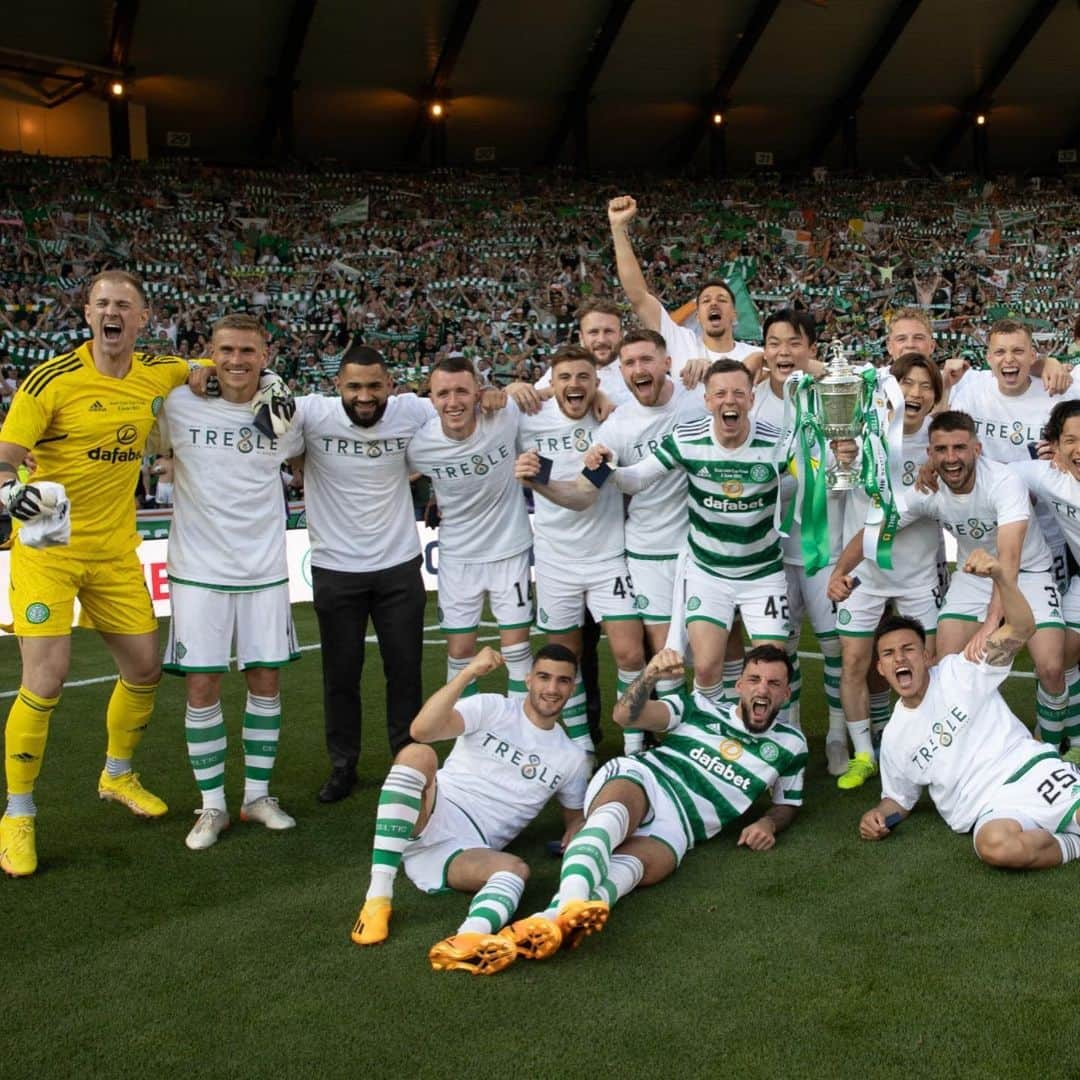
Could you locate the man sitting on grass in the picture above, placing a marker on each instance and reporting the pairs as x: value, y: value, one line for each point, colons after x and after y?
x: 951, y: 731
x: 449, y: 825
x: 646, y: 811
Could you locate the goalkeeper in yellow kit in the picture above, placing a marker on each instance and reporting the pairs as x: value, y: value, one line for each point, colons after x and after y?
x: 86, y: 416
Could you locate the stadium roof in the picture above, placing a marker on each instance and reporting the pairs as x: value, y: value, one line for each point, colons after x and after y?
x: 611, y: 83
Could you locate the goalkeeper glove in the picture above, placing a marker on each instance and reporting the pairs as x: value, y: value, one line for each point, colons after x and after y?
x: 21, y: 501
x: 273, y: 405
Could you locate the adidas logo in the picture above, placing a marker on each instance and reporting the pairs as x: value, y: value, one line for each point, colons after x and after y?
x: 98, y: 407
x: 704, y: 471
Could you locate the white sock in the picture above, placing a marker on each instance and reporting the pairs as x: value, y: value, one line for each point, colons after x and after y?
x: 588, y: 856
x: 21, y: 805
x: 1070, y: 846
x: 206, y: 743
x: 455, y: 668
x: 859, y: 730
x: 715, y: 692
x: 518, y: 664
x: 115, y: 766
x: 880, y: 711
x: 732, y: 671
x: 624, y: 875
x: 494, y: 904
x: 633, y: 740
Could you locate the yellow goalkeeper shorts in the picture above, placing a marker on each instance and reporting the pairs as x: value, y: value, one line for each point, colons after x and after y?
x: 44, y: 584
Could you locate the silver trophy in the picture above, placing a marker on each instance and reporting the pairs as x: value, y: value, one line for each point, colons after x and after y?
x: 839, y: 393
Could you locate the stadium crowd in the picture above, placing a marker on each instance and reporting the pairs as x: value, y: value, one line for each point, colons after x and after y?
x: 661, y: 457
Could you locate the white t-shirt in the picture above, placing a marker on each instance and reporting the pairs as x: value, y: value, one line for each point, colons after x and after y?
x: 998, y: 498
x: 657, y: 519
x: 356, y: 483
x: 1005, y: 425
x: 917, y: 548
x: 685, y: 344
x: 962, y: 742
x: 1059, y: 493
x: 569, y: 537
x: 504, y: 768
x: 228, y: 527
x: 482, y: 506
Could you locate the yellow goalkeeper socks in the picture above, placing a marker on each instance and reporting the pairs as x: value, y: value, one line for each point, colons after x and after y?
x: 24, y: 740
x: 127, y: 718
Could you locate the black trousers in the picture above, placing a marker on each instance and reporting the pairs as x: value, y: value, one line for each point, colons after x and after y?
x: 395, y: 599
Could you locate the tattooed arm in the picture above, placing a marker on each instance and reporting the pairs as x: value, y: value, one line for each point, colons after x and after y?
x: 1019, y: 625
x: 635, y: 709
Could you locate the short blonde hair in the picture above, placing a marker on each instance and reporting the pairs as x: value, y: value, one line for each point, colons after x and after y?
x: 240, y: 321
x: 914, y: 313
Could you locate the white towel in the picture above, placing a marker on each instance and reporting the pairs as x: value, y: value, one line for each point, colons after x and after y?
x: 53, y: 527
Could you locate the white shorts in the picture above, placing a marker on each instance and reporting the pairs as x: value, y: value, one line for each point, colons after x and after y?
x: 761, y: 602
x: 1070, y: 605
x: 463, y: 586
x: 969, y: 597
x: 1059, y: 568
x: 662, y: 820
x: 1043, y: 794
x: 860, y: 613
x: 447, y: 833
x: 806, y: 596
x: 563, y: 593
x: 205, y: 623
x: 654, y: 587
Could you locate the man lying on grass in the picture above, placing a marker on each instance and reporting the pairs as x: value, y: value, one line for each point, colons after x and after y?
x: 646, y: 811
x: 449, y: 825
x: 951, y: 731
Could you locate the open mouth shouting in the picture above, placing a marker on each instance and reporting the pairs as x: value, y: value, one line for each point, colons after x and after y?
x: 760, y: 711
x: 112, y: 329
x: 1010, y: 375
x: 904, y: 676
x: 576, y: 402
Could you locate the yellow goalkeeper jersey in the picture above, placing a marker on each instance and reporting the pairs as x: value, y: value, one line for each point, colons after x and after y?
x: 88, y: 431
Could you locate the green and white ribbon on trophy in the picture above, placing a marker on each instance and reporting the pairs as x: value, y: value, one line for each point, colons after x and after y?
x: 881, y: 468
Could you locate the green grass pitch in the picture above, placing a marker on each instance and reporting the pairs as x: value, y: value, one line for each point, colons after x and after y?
x: 128, y: 955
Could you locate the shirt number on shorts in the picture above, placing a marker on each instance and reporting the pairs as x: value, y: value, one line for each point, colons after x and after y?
x: 1055, y: 599
x: 522, y: 600
x: 1058, y: 782
x: 776, y: 607
x: 623, y: 587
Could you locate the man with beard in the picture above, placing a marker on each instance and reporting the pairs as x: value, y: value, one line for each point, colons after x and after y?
x: 952, y: 732
x: 580, y: 556
x: 448, y: 826
x: 715, y: 308
x: 644, y: 813
x: 983, y: 504
x: 365, y: 552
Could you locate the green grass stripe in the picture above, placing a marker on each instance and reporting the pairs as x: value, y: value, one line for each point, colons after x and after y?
x: 262, y: 723
x: 392, y: 795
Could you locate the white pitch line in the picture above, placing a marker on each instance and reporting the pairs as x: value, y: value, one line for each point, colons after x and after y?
x: 372, y: 640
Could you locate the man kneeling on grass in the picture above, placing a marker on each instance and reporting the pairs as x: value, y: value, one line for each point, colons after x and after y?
x: 450, y: 824
x: 951, y: 731
x: 646, y: 811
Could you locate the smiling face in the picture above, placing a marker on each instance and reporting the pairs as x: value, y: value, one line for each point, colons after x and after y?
x: 116, y: 315
x: 787, y: 349
x: 903, y: 663
x: 455, y: 395
x: 574, y: 384
x: 1010, y: 357
x: 365, y: 390
x: 600, y: 333
x: 908, y: 335
x: 728, y: 396
x: 240, y: 355
x: 645, y: 368
x: 550, y: 684
x: 954, y: 455
x: 715, y: 311
x: 919, y: 398
x: 1068, y: 447
x: 762, y: 688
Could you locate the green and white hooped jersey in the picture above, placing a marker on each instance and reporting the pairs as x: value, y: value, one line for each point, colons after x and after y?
x: 483, y: 513
x: 567, y: 537
x: 656, y: 521
x: 228, y: 529
x: 998, y: 498
x: 732, y: 496
x: 714, y: 769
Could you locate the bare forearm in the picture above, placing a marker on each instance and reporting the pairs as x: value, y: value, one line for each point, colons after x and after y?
x: 635, y: 709
x: 576, y: 494
x: 646, y: 306
x: 781, y: 816
x: 436, y: 715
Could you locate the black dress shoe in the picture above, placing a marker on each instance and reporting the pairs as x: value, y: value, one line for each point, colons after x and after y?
x: 341, y: 782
